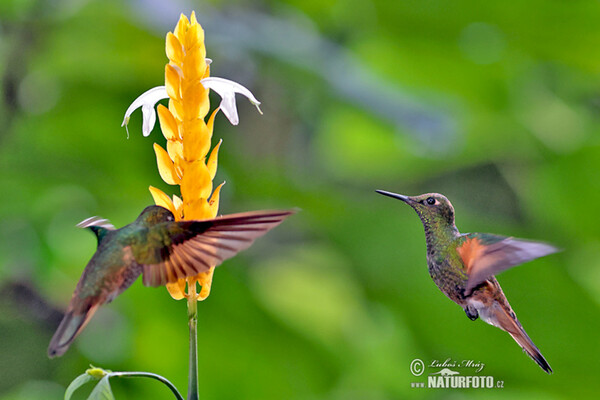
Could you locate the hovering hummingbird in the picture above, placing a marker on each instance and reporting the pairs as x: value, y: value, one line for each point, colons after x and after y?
x: 463, y: 266
x: 162, y: 250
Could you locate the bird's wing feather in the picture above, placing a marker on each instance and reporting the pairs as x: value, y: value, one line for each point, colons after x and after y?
x: 486, y: 255
x: 192, y: 247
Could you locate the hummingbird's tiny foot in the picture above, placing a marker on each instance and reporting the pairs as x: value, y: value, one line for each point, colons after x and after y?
x: 471, y: 312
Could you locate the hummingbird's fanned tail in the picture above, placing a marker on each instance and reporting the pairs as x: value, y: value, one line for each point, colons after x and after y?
x: 506, y: 320
x: 71, y: 325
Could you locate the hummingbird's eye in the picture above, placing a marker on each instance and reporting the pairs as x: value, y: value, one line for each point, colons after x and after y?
x: 430, y: 201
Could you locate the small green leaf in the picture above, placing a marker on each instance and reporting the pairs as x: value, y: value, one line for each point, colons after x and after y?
x: 102, y: 390
x: 76, y: 384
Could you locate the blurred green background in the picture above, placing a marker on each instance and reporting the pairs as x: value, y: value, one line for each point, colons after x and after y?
x: 494, y: 104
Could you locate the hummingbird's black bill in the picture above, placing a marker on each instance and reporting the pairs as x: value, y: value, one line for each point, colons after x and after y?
x: 394, y: 195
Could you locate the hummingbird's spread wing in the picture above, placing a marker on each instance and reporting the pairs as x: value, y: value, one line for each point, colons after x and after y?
x: 486, y: 255
x: 191, y: 247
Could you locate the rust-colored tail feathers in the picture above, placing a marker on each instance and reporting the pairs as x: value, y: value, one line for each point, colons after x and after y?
x: 507, y: 321
x: 71, y: 325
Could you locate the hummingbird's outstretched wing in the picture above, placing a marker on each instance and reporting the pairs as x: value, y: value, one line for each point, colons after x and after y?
x: 485, y: 255
x: 191, y: 247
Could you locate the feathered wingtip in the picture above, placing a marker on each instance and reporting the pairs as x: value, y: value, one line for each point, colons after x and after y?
x: 207, y: 243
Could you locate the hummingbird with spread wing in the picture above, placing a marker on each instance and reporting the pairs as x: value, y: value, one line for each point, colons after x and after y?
x: 160, y: 249
x: 463, y: 266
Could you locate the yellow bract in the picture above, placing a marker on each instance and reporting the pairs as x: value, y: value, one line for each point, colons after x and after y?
x: 168, y: 124
x: 166, y: 168
x: 161, y: 199
x: 184, y: 162
x: 212, y: 160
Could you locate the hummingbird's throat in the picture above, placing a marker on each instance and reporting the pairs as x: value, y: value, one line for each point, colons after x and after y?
x: 438, y: 232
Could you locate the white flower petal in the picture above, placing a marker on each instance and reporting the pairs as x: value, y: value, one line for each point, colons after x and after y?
x: 227, y: 90
x: 229, y: 108
x: 147, y: 101
x: 149, y: 119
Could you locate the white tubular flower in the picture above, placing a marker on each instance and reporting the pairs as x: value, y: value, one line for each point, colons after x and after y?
x: 224, y: 88
x: 147, y: 101
x: 227, y: 90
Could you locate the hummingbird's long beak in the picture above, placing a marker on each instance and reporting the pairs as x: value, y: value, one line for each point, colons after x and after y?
x: 405, y: 199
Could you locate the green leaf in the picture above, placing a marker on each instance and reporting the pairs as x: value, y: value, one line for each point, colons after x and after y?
x: 76, y: 384
x: 102, y: 390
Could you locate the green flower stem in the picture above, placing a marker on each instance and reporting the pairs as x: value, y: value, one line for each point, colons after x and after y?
x: 192, y: 323
x: 152, y: 376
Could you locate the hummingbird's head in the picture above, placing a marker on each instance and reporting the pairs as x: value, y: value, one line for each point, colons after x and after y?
x: 155, y: 214
x: 431, y: 207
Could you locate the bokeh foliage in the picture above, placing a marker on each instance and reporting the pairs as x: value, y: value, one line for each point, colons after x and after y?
x: 494, y: 104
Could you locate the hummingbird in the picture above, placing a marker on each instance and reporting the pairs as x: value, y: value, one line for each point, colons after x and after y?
x: 463, y: 266
x: 159, y: 248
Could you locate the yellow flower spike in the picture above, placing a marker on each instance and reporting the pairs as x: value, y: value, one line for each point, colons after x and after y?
x: 182, y: 26
x: 179, y: 170
x: 192, y: 99
x: 168, y: 124
x: 186, y: 160
x: 199, y: 40
x: 173, y: 82
x: 211, y: 123
x: 196, y: 181
x: 211, y: 164
x: 161, y: 199
x: 213, y: 203
x: 177, y: 289
x: 174, y: 49
x: 205, y: 280
x: 197, y: 209
x: 196, y: 142
x: 176, y: 109
x: 194, y: 37
x: 175, y: 150
x: 193, y: 20
x: 165, y: 166
x: 190, y: 37
x: 178, y: 204
x: 194, y: 64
